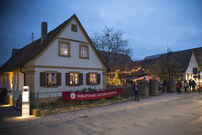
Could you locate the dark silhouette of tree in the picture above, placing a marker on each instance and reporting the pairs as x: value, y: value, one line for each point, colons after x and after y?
x: 111, y: 43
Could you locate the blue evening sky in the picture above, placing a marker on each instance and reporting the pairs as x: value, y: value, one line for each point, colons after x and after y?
x: 150, y: 26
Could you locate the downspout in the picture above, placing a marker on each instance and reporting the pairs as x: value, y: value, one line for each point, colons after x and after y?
x: 23, y: 75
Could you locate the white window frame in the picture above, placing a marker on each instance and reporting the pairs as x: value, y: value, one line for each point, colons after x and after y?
x: 64, y: 46
x: 84, y: 51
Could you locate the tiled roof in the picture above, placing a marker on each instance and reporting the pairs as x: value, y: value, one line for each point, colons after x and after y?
x: 116, y: 61
x: 180, y: 59
x: 25, y: 54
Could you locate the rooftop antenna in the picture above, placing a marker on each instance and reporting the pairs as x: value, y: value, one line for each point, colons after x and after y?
x: 32, y: 37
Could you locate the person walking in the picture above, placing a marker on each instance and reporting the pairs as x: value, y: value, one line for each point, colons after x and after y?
x: 165, y: 87
x: 178, y: 87
x: 193, y: 84
x: 180, y: 81
x: 186, y: 85
x: 136, y: 91
x: 190, y: 85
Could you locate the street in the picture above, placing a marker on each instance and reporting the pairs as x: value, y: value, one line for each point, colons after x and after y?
x: 169, y: 114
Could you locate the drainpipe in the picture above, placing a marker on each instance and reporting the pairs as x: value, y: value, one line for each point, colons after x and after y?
x: 23, y: 75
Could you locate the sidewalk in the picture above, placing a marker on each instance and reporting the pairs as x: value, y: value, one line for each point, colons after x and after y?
x: 9, y: 121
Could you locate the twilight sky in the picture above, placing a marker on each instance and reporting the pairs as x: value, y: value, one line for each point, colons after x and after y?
x: 150, y: 26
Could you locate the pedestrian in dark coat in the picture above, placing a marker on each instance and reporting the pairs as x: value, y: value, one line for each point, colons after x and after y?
x: 136, y: 91
x: 190, y: 84
x: 186, y: 85
x: 165, y: 87
x: 193, y: 84
x: 178, y: 87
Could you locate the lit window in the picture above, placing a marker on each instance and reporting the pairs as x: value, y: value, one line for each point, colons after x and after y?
x: 84, y: 51
x: 64, y: 48
x: 93, y: 78
x: 74, y: 27
x: 51, y: 79
x: 74, y: 78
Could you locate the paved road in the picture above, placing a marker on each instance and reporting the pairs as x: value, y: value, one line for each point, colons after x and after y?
x: 170, y: 114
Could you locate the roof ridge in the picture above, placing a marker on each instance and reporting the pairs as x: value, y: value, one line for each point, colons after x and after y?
x: 31, y: 50
x: 12, y: 63
x: 191, y: 49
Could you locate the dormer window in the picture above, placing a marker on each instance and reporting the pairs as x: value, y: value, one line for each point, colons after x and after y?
x: 74, y: 27
x: 83, y: 51
x: 64, y: 48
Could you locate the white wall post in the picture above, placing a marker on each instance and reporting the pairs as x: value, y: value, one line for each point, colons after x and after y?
x: 25, y: 101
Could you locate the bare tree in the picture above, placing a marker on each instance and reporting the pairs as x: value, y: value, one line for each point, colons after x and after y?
x: 110, y: 42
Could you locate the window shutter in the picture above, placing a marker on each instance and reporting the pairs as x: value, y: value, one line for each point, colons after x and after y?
x: 67, y: 80
x: 80, y: 79
x: 88, y: 78
x: 98, y: 78
x: 42, y: 79
x: 58, y: 77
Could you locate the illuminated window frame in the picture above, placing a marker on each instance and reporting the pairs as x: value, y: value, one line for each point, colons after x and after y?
x: 65, y: 43
x: 74, y: 78
x: 93, y: 78
x: 51, y: 78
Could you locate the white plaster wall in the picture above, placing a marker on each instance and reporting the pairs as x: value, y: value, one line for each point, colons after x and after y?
x: 18, y: 83
x: 192, y: 64
x: 67, y: 33
x: 63, y: 87
x: 51, y: 58
x: 16, y: 87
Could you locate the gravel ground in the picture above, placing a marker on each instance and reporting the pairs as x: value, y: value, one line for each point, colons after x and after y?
x: 169, y: 114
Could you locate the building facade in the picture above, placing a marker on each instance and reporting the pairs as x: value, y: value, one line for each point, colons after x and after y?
x: 182, y: 63
x: 62, y: 60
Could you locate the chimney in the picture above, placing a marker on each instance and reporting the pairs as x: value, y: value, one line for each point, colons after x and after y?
x: 43, y: 31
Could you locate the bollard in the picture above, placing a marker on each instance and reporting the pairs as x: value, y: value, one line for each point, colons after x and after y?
x: 25, y: 101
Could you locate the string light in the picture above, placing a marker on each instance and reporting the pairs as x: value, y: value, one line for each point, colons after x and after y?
x: 115, y: 81
x: 128, y: 72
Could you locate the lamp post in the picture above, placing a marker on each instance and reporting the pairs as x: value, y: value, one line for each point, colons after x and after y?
x: 25, y: 101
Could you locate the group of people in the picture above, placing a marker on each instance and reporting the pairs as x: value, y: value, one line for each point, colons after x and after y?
x: 187, y: 85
